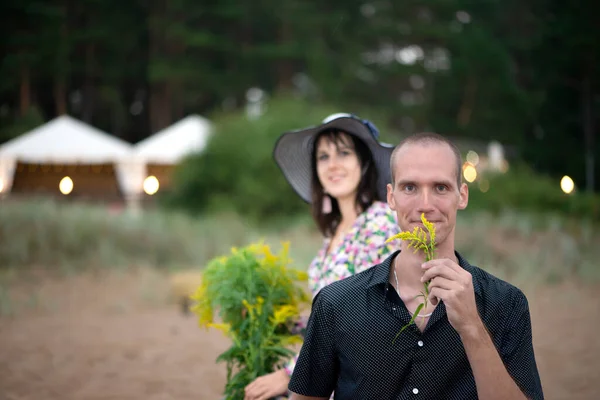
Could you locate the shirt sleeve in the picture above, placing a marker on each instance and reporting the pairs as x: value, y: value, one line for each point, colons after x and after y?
x: 316, y: 370
x: 517, y: 352
x: 380, y: 225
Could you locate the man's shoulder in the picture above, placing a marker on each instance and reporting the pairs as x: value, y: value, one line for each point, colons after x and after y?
x: 495, y: 289
x: 341, y: 291
x: 354, y: 282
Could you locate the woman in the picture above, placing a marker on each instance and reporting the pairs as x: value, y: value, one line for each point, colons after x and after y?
x: 341, y: 169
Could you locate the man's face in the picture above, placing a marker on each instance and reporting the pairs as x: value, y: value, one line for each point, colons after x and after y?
x: 426, y: 182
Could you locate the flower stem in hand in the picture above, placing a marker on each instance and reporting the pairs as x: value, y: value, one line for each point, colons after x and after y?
x: 423, y: 240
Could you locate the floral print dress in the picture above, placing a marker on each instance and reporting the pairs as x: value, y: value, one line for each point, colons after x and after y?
x: 362, y: 247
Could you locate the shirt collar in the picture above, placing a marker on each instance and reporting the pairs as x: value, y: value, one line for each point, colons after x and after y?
x: 381, y: 272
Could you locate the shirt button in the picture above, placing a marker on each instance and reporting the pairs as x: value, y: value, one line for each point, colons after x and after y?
x: 420, y: 343
x: 394, y: 308
x: 415, y: 391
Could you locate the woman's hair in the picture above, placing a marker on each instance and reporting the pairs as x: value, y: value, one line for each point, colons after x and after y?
x: 366, y: 192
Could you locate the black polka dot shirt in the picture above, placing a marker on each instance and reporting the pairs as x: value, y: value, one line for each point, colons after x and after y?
x: 348, y: 346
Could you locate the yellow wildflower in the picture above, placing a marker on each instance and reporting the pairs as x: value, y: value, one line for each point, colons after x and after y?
x: 291, y: 340
x: 428, y: 225
x: 300, y: 275
x: 285, y: 253
x: 248, y: 307
x: 258, y: 248
x: 201, y: 307
x: 200, y: 292
x: 419, y: 240
x: 225, y: 328
x: 283, y: 313
x: 204, y: 313
x: 259, y: 303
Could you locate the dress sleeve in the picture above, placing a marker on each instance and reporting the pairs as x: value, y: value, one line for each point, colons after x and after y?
x: 380, y: 224
x: 290, y: 365
x: 300, y: 329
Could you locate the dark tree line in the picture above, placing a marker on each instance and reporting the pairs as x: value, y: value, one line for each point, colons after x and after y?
x: 522, y: 72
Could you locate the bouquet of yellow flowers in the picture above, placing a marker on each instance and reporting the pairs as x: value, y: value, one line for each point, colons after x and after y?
x: 257, y: 297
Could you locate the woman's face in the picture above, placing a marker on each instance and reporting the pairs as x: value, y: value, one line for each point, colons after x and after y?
x: 338, y: 166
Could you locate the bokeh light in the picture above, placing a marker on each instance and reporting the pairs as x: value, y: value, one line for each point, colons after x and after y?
x: 469, y: 172
x: 566, y: 184
x: 151, y: 185
x: 473, y: 157
x: 484, y: 185
x: 66, y: 185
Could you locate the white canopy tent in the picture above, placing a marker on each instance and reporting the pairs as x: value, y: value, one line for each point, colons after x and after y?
x: 170, y: 145
x: 65, y: 140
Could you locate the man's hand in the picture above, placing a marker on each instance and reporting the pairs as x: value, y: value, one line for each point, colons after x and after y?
x: 453, y: 285
x: 267, y: 386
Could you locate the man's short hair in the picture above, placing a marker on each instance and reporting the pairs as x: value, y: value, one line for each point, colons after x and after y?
x: 428, y: 138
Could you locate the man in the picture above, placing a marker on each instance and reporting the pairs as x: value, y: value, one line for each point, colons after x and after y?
x: 473, y: 341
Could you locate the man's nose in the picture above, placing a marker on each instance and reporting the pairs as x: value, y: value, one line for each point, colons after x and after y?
x: 425, y: 201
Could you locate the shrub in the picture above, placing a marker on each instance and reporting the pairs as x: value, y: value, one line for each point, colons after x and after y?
x: 523, y: 189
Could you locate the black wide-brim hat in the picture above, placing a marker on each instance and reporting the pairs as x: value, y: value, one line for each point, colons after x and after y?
x: 293, y: 152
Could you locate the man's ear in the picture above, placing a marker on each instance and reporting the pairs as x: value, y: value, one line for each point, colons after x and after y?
x: 390, y: 196
x: 463, y: 200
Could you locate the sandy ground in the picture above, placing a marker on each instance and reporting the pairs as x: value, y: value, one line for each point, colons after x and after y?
x: 118, y: 337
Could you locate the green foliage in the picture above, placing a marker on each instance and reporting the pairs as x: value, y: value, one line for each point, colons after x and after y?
x: 256, y: 295
x: 520, y: 188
